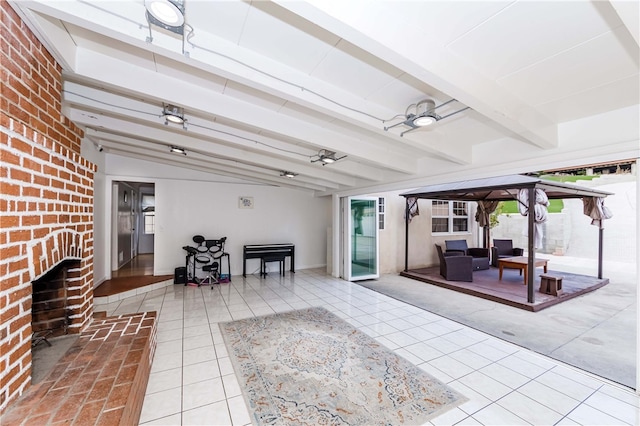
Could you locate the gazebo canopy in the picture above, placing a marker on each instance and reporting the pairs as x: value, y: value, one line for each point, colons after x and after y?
x: 505, y: 188
x: 501, y: 188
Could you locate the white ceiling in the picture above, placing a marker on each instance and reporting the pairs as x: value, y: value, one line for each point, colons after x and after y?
x: 266, y: 85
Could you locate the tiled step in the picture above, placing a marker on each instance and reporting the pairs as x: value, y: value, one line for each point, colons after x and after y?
x: 101, y: 380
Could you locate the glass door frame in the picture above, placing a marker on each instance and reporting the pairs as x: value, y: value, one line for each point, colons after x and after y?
x: 348, y: 243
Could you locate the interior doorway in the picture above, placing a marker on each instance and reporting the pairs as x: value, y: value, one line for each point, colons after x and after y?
x: 133, y: 228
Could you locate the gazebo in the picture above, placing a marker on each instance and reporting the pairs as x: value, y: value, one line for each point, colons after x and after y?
x: 525, y: 189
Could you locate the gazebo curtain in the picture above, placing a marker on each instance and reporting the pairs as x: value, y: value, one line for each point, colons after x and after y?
x: 594, y: 208
x: 540, y: 212
x: 483, y: 217
x: 412, y: 208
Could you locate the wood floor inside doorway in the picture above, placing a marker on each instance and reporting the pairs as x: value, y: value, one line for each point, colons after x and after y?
x: 135, y: 274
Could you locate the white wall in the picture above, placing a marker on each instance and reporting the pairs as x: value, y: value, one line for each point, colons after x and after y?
x: 189, y: 203
x: 422, y: 251
x: 188, y: 208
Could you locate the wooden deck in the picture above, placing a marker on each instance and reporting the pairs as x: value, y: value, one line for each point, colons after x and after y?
x: 510, y: 290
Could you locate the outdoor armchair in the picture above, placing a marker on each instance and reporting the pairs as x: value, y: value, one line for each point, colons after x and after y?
x: 502, y: 249
x: 480, y: 255
x: 455, y: 266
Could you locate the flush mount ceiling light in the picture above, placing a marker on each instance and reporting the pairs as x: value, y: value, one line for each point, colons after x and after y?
x: 174, y: 114
x: 288, y: 174
x: 167, y: 14
x: 326, y: 157
x: 424, y: 115
x: 177, y: 150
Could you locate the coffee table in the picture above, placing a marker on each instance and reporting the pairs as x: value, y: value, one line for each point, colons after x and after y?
x: 521, y: 263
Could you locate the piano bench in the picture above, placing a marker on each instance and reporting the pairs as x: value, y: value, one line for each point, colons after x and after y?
x: 276, y: 257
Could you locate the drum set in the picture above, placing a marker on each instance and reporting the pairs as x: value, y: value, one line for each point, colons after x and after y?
x: 204, y: 257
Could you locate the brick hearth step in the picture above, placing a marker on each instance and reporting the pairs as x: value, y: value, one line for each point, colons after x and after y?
x: 101, y: 380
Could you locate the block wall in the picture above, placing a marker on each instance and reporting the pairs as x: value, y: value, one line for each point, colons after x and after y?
x: 46, y: 197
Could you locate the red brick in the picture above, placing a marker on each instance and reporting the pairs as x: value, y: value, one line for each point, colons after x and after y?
x: 30, y: 220
x: 10, y: 189
x: 30, y: 191
x: 18, y: 236
x: 9, y: 222
x: 7, y: 157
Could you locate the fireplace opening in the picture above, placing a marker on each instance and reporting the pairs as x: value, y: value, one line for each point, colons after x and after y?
x: 50, y: 311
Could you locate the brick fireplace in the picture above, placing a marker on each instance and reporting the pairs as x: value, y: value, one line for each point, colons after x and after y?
x: 46, y: 201
x: 50, y: 308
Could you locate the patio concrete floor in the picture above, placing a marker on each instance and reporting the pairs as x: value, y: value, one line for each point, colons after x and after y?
x: 595, y: 332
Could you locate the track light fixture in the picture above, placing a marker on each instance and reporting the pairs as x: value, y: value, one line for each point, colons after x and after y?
x: 288, y: 174
x: 167, y: 14
x: 424, y: 115
x: 177, y: 150
x: 326, y: 157
x: 172, y: 113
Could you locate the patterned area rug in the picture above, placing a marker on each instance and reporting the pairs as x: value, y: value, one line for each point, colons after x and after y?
x: 309, y: 367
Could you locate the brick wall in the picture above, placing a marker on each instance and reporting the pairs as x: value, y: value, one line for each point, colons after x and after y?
x: 46, y: 197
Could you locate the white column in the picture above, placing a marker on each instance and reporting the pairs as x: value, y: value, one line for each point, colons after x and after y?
x: 335, y: 240
x: 637, y: 277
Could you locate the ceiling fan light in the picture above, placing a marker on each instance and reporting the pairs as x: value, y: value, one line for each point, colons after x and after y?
x: 166, y: 11
x: 174, y: 119
x: 178, y: 150
x: 423, y: 120
x: 173, y: 114
x: 288, y: 174
x: 327, y: 160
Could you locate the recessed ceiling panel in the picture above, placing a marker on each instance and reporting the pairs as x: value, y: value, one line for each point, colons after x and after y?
x: 442, y: 22
x: 601, y: 60
x: 355, y: 71
x: 403, y: 91
x: 109, y: 47
x: 252, y: 96
x: 191, y: 75
x: 282, y: 37
x: 225, y: 19
x: 619, y: 94
x: 527, y: 32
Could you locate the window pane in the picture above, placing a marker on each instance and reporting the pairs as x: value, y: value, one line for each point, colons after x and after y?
x: 148, y: 200
x: 460, y: 225
x: 149, y: 223
x: 440, y: 208
x: 439, y: 224
x: 459, y: 208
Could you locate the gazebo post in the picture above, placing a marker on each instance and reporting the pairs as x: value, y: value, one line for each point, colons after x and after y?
x: 531, y: 245
x: 406, y: 234
x: 600, y: 240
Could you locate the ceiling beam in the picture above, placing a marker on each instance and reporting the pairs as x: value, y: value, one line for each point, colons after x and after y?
x: 96, y: 128
x: 433, y: 64
x: 146, y: 82
x: 200, y: 162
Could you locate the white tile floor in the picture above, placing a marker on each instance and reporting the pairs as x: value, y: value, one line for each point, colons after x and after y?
x: 192, y: 379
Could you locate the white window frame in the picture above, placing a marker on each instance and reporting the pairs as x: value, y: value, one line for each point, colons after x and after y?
x: 450, y: 217
x: 381, y: 211
x: 149, y: 228
x: 148, y: 200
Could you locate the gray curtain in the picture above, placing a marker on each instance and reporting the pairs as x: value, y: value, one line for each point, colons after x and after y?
x: 485, y: 208
x: 594, y: 208
x: 540, y: 212
x: 412, y: 206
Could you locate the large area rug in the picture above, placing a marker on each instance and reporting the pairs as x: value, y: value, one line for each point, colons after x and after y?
x: 309, y: 367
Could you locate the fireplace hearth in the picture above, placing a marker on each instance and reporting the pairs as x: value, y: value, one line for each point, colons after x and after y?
x: 50, y: 312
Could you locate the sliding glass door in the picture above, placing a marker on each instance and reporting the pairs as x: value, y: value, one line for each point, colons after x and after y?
x: 361, y: 245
